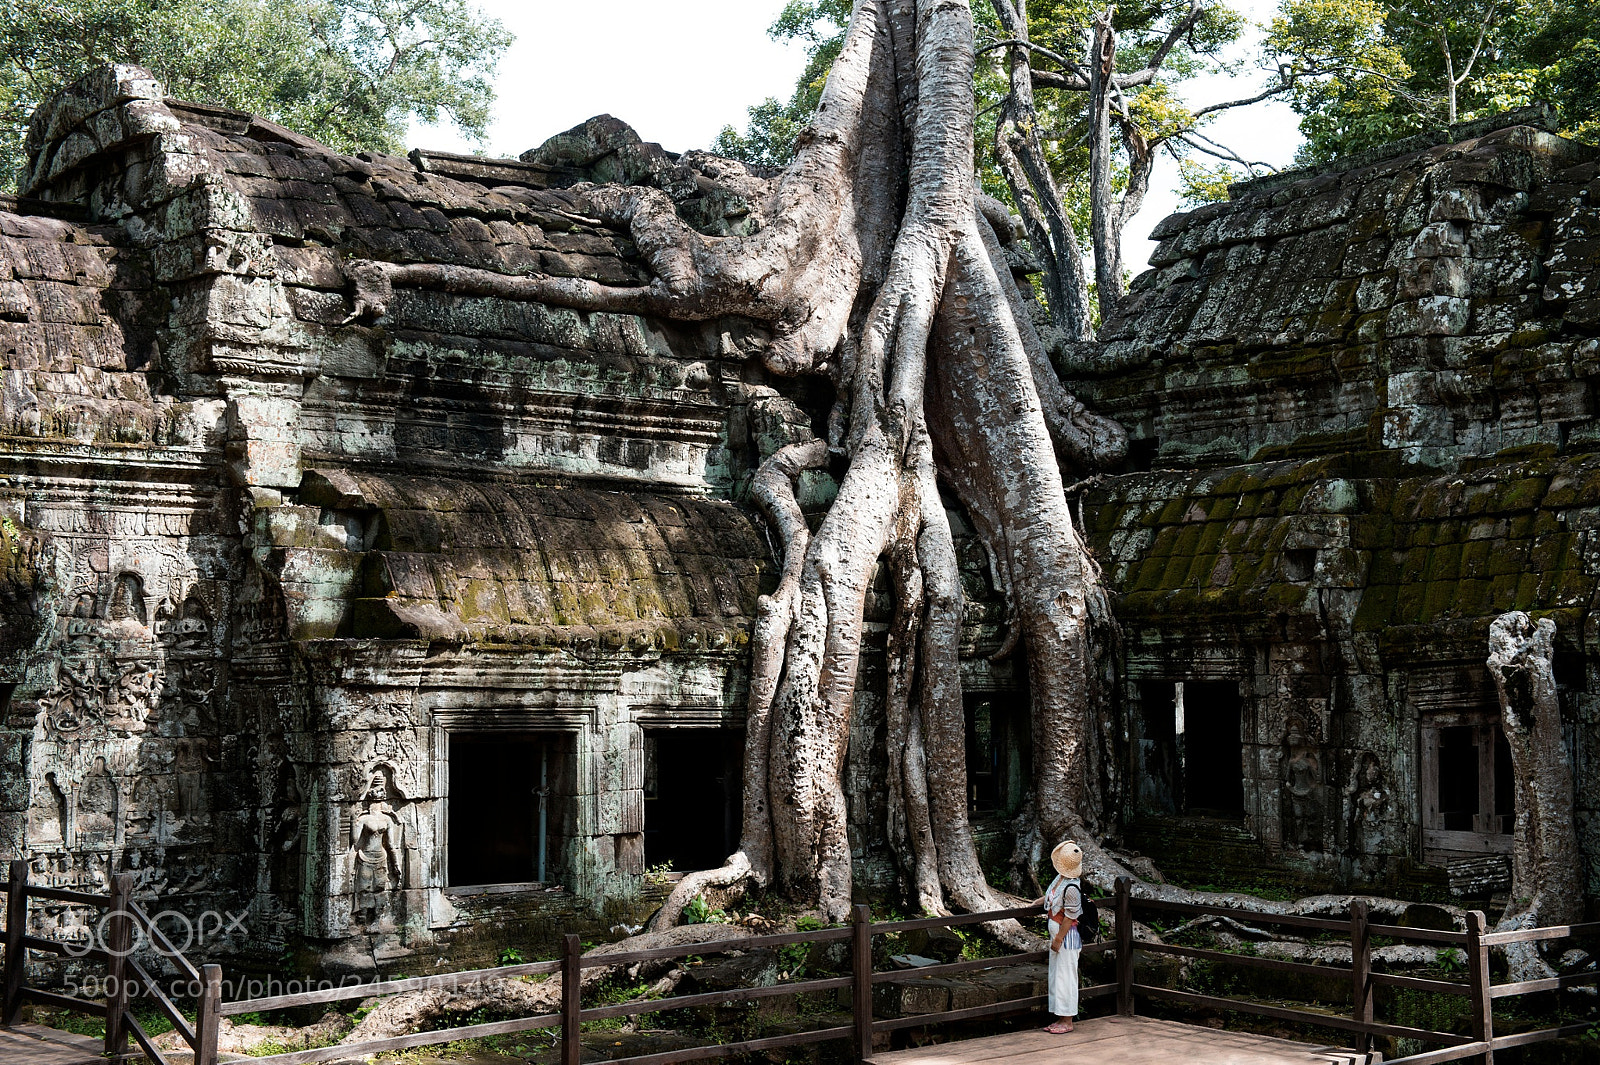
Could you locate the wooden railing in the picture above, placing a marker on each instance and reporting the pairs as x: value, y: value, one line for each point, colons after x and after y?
x: 112, y: 945
x: 122, y: 916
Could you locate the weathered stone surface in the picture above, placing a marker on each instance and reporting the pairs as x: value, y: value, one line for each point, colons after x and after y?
x: 266, y: 554
x: 1368, y: 429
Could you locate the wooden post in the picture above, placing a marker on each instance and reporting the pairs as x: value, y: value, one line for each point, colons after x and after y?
x: 117, y: 931
x: 16, y: 929
x: 1124, y: 947
x: 207, y: 1019
x: 1478, y: 971
x: 861, y: 975
x: 1361, y: 973
x: 571, y: 1001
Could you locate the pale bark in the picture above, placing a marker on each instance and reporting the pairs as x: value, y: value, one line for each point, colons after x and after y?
x: 1546, y: 875
x: 414, y: 1011
x: 1102, y: 209
x: 1020, y: 153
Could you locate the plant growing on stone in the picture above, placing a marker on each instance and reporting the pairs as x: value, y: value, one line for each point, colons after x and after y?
x: 878, y: 268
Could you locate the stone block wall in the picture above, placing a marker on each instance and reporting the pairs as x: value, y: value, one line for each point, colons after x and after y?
x: 1363, y: 409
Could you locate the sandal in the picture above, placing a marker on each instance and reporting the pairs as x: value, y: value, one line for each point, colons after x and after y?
x: 1059, y: 1027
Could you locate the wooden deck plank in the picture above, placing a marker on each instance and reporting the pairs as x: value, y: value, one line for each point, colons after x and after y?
x: 1127, y: 1041
x: 32, y: 1044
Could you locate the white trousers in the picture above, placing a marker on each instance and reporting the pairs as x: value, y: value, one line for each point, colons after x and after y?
x: 1064, y: 977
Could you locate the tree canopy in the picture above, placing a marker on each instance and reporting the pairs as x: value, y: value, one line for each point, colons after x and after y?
x: 350, y: 73
x: 1372, y: 71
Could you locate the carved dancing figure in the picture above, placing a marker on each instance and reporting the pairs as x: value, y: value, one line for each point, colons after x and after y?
x: 375, y: 843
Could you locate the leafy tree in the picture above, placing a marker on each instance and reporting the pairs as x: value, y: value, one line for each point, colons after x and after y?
x: 1371, y: 71
x: 769, y: 140
x: 349, y: 72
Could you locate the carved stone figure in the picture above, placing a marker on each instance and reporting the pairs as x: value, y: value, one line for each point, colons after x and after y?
x: 132, y: 696
x: 1369, y: 804
x: 127, y: 599
x: 189, y: 768
x: 375, y: 847
x: 47, y: 820
x: 97, y: 804
x: 74, y: 701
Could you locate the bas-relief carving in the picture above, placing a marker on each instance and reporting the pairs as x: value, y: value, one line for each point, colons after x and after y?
x: 119, y: 758
x: 376, y: 842
x: 97, y: 806
x: 1305, y: 796
x: 1369, y: 803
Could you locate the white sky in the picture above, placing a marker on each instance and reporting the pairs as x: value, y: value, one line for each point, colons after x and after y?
x: 680, y: 70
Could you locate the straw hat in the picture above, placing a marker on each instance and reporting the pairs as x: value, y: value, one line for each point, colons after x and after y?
x: 1067, y: 858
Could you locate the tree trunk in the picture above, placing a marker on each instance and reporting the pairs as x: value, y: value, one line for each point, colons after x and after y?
x: 1546, y: 877
x: 1102, y: 208
x: 874, y: 267
x: 1020, y: 154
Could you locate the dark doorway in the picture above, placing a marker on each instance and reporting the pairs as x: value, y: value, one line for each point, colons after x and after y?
x: 509, y: 807
x: 1458, y: 779
x: 1158, y: 780
x: 1189, y: 748
x: 997, y: 754
x: 692, y: 788
x: 1213, y: 771
x: 1468, y: 790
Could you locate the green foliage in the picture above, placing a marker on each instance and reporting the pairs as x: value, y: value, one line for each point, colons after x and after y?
x: 792, y: 958
x: 1200, y: 183
x: 11, y: 537
x: 809, y: 923
x: 511, y: 956
x: 1372, y: 71
x: 657, y: 875
x: 769, y: 138
x: 1157, y: 110
x: 350, y: 73
x: 699, y: 911
x: 615, y: 992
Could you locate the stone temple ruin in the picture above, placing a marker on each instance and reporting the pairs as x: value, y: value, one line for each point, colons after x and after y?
x: 389, y: 631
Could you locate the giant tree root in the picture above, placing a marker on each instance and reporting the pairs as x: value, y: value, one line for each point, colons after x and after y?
x: 414, y: 1011
x: 876, y: 268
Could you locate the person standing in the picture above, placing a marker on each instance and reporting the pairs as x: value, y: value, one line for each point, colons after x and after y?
x: 1063, y: 905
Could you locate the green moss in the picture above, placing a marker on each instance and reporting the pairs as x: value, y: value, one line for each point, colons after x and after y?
x: 1503, y: 592
x: 1293, y: 363
x: 1523, y: 494
x: 1438, y: 600
x: 1472, y: 598
x: 1444, y: 563
x: 1187, y: 541
x: 1475, y: 558
x: 1377, y: 607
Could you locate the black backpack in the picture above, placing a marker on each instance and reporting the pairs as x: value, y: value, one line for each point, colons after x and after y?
x: 1088, y: 920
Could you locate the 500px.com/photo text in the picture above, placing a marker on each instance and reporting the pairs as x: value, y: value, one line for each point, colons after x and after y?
x: 235, y: 988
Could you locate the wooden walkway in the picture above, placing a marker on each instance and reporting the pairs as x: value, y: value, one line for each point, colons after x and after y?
x: 1125, y: 1041
x: 32, y: 1044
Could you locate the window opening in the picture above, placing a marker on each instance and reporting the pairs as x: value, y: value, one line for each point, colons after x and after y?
x: 1190, y: 748
x: 1468, y: 798
x: 693, y: 782
x: 1212, y: 747
x: 508, y: 807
